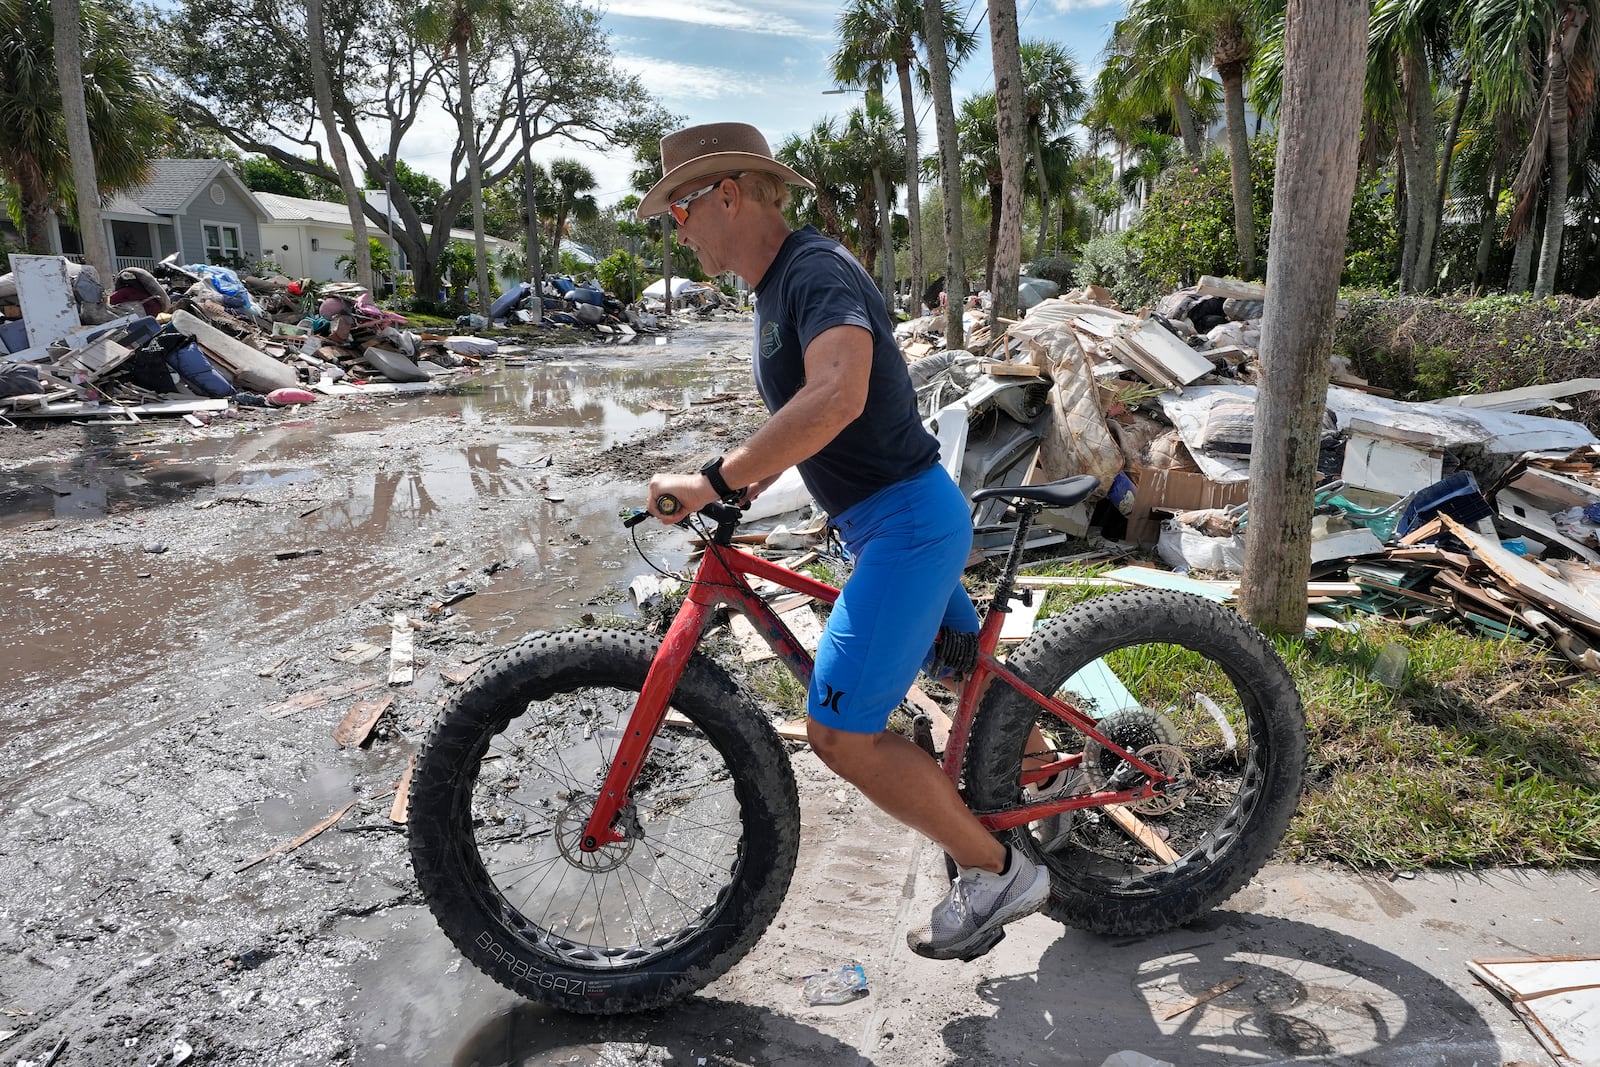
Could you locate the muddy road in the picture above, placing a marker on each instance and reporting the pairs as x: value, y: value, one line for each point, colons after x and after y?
x: 171, y: 588
x: 173, y: 596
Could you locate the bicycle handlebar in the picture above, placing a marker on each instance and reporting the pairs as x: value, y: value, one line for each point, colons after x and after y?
x: 668, y: 504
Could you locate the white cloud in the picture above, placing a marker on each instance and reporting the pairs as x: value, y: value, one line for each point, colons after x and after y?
x: 712, y: 14
x: 670, y: 80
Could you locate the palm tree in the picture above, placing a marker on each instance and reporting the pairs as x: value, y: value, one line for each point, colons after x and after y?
x: 322, y: 90
x: 86, y: 188
x: 874, y: 144
x: 816, y: 155
x: 1411, y: 37
x: 126, y: 118
x: 877, y: 34
x: 574, y: 186
x: 980, y: 167
x: 950, y: 211
x: 1052, y: 96
x: 455, y: 24
x: 1012, y: 131
x: 1150, y: 69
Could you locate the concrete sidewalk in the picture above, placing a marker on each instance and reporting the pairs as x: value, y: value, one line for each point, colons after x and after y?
x: 1333, y: 968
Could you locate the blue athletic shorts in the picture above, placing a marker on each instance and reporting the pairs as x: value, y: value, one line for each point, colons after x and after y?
x: 910, y: 542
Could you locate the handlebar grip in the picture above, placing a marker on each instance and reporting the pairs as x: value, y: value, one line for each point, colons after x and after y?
x: 668, y: 504
x: 635, y: 519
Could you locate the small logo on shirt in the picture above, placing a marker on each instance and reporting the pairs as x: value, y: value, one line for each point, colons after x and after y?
x: 771, y: 340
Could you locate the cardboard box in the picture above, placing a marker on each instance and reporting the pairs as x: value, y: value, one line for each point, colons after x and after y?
x: 1173, y: 490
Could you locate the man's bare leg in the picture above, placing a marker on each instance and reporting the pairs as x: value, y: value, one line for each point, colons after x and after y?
x: 899, y: 778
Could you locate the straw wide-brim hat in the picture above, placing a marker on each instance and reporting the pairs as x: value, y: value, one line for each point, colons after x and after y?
x: 715, y: 148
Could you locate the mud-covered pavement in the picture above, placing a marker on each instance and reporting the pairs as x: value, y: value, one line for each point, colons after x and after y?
x: 169, y: 589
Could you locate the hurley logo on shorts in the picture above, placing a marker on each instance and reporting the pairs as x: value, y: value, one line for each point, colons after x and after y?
x: 831, y: 699
x: 771, y: 340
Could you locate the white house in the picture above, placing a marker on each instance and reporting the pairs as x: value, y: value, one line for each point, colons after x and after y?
x: 305, y: 238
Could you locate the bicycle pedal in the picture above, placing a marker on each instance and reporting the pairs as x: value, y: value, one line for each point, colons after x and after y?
x: 982, y: 948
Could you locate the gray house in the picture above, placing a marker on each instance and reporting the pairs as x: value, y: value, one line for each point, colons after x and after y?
x: 197, y: 208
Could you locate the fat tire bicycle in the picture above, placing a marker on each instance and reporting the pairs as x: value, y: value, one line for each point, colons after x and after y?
x: 606, y: 821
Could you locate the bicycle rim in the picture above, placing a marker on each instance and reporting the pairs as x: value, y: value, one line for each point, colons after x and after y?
x: 627, y: 904
x: 1188, y: 687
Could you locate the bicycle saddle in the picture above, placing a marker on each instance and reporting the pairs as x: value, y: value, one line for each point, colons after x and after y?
x: 1061, y: 493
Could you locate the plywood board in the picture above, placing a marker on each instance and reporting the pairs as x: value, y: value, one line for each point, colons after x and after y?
x: 44, y: 291
x: 1020, y: 620
x: 1528, y: 578
x: 1557, y: 997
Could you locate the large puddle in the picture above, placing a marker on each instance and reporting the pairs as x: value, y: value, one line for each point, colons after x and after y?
x: 363, y: 500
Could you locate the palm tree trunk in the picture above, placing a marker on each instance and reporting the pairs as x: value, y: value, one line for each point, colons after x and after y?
x: 469, y: 134
x: 68, y: 16
x: 35, y: 209
x: 1522, y: 258
x: 1186, y: 124
x: 1489, y: 225
x: 1320, y: 121
x: 1561, y: 42
x: 955, y: 267
x: 995, y: 192
x: 1244, y: 216
x: 322, y: 88
x: 919, y: 270
x: 880, y: 186
x: 1421, y: 128
x: 1044, y: 192
x: 1011, y: 128
x: 1463, y: 91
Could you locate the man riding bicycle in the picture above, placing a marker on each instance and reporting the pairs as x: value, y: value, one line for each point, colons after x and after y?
x: 844, y: 412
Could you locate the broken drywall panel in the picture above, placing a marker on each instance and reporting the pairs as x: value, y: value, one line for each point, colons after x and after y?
x: 1181, y: 363
x: 1527, y: 399
x: 44, y: 292
x: 1500, y: 433
x: 1384, y: 466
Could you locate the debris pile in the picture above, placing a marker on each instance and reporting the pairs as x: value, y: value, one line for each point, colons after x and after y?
x: 184, y: 340
x: 1160, y: 406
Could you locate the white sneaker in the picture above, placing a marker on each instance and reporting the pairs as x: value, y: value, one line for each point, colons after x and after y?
x: 969, y: 921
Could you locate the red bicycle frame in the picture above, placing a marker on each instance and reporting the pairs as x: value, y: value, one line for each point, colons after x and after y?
x: 720, y: 579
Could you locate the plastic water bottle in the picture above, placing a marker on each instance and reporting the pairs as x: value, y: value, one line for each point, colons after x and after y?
x: 838, y: 986
x: 1389, y: 670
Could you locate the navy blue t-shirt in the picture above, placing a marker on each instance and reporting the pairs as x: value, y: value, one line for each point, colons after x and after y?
x: 814, y: 285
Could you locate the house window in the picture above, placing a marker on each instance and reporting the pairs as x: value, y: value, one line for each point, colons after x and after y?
x: 222, y: 243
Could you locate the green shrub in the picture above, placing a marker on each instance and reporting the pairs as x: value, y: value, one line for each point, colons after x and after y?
x: 1372, y: 242
x: 620, y: 273
x: 1058, y: 269
x: 1107, y: 260
x: 1185, y: 228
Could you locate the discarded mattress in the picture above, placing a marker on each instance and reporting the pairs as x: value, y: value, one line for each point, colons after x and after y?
x: 250, y: 368
x: 472, y: 346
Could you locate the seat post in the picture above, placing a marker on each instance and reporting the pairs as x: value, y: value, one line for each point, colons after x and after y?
x: 1003, y: 590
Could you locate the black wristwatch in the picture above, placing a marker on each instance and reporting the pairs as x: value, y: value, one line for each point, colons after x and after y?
x: 713, y: 473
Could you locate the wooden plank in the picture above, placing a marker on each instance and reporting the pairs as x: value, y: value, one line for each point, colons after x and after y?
x: 1150, y: 578
x: 1432, y: 528
x: 290, y: 846
x: 356, y: 726
x: 402, y: 793
x: 315, y: 698
x: 926, y: 705
x: 1209, y: 995
x: 1527, y: 578
x: 1135, y: 828
x: 402, y: 669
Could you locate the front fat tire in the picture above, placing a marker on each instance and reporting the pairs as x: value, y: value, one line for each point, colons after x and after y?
x: 1276, y: 729
x: 472, y: 910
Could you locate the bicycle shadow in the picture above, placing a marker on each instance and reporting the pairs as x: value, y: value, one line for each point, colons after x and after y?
x: 699, y: 1030
x: 1233, y: 988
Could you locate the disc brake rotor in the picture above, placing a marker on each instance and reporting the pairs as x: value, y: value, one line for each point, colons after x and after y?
x: 1170, y: 761
x: 569, y: 830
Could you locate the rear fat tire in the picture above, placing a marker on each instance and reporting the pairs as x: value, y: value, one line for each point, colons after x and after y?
x: 476, y: 915
x: 1273, y: 716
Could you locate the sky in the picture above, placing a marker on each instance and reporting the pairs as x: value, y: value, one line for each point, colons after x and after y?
x: 766, y: 61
